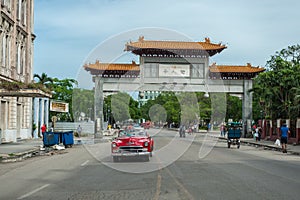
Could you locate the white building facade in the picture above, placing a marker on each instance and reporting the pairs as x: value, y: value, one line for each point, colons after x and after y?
x: 16, y: 65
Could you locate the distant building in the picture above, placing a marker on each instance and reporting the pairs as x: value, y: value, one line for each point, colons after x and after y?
x: 147, y: 95
x: 16, y: 67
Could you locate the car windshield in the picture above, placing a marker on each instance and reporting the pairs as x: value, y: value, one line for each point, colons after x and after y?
x: 124, y: 133
x: 141, y: 134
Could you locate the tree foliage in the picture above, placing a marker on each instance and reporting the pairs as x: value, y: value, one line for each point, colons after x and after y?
x: 179, y: 108
x: 234, y: 108
x: 43, y: 79
x: 83, y: 102
x: 62, y: 90
x: 123, y: 107
x: 276, y: 91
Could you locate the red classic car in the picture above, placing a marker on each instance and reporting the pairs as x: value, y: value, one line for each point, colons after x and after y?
x: 132, y: 144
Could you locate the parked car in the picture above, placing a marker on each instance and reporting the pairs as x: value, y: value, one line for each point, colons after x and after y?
x: 136, y: 144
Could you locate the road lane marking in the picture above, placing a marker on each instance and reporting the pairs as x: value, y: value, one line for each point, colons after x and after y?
x: 158, y: 186
x: 33, y: 191
x: 83, y: 164
x: 189, y: 195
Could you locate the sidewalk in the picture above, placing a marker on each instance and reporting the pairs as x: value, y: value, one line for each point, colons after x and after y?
x: 267, y: 144
x: 17, y: 151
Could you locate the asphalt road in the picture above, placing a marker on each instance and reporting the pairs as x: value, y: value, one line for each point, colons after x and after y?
x: 195, y: 167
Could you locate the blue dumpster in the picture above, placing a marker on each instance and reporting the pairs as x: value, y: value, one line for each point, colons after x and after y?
x: 60, y: 136
x: 67, y: 138
x: 50, y: 139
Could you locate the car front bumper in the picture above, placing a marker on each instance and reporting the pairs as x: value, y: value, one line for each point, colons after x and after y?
x: 131, y: 154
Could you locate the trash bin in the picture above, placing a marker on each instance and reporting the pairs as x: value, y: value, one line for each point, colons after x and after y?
x: 59, y: 135
x: 50, y: 139
x: 68, y: 138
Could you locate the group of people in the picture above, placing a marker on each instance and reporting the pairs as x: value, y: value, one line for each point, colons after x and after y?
x: 256, y: 132
x: 191, y: 129
x: 284, y: 133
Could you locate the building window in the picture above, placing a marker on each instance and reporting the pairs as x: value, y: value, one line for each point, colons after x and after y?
x: 4, y: 40
x: 8, y: 51
x: 23, y: 12
x: 18, y: 61
x: 22, y: 60
x: 19, y: 8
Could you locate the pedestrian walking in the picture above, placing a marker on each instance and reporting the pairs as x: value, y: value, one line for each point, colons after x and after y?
x: 256, y: 135
x: 79, y: 130
x: 208, y: 127
x: 259, y: 133
x: 253, y: 130
x: 222, y: 130
x: 43, y: 129
x: 284, y: 131
x: 182, y: 131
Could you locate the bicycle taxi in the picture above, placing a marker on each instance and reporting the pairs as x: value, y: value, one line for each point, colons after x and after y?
x: 234, y: 132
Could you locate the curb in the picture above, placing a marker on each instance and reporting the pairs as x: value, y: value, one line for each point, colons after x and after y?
x: 20, y: 156
x: 16, y: 157
x: 266, y: 146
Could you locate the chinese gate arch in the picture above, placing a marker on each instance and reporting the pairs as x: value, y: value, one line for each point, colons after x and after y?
x: 173, y: 65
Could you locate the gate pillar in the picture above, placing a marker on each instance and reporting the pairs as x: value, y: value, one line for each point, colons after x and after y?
x: 98, y: 106
x: 247, y: 107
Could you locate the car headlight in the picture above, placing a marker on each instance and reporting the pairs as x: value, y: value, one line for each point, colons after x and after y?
x: 114, y: 145
x: 146, y: 144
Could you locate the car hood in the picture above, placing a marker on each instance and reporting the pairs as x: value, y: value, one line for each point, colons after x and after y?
x: 130, y: 140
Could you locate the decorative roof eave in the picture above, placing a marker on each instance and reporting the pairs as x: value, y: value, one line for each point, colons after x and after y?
x: 97, y: 66
x: 25, y: 93
x: 174, y: 52
x: 235, y: 69
x: 174, y: 47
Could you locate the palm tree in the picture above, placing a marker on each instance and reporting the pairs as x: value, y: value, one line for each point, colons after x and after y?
x: 44, y: 79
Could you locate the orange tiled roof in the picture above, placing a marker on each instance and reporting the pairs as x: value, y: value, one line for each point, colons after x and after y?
x: 112, y: 66
x: 153, y: 44
x: 235, y: 69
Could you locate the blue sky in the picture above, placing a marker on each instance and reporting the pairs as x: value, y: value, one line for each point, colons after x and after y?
x: 69, y: 30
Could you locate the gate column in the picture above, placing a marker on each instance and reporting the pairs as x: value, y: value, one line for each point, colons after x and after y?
x: 98, y: 106
x: 247, y: 107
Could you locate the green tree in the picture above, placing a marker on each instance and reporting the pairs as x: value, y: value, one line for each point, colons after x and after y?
x: 182, y: 107
x: 44, y: 79
x: 234, y: 108
x: 83, y: 102
x: 62, y: 90
x: 166, y: 100
x: 120, y: 107
x: 276, y: 89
